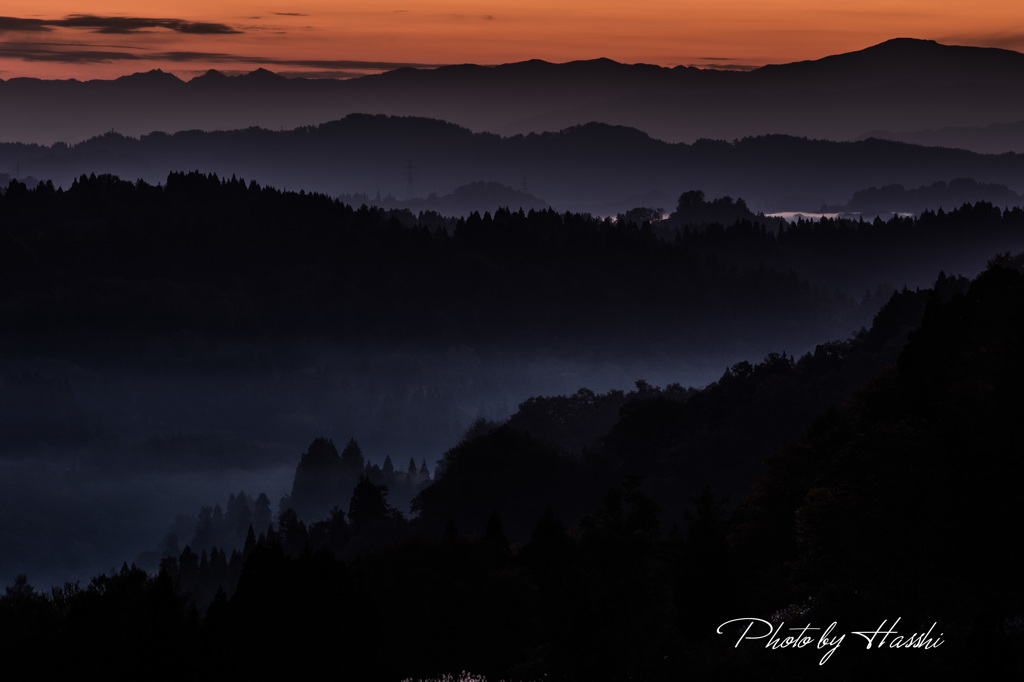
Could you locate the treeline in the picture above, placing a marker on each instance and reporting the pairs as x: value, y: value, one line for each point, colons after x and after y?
x: 853, y: 255
x: 214, y: 560
x: 324, y: 479
x: 900, y: 501
x: 109, y: 259
x: 679, y: 440
x: 463, y: 200
x: 113, y: 260
x: 324, y: 486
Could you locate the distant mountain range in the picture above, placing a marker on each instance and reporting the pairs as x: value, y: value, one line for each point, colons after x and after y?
x: 946, y: 195
x: 594, y: 168
x: 899, y: 85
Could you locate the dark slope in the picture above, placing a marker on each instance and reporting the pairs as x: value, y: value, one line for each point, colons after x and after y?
x: 905, y: 500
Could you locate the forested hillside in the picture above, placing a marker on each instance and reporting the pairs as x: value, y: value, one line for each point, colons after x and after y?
x: 850, y: 522
x: 232, y: 260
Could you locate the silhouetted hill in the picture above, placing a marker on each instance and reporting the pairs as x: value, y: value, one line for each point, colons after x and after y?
x: 856, y: 506
x: 907, y: 60
x: 593, y: 167
x: 892, y: 199
x: 898, y: 85
x: 568, y: 450
x: 996, y: 138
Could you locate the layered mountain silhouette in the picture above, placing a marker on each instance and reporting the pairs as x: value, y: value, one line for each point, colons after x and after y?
x: 595, y: 168
x: 899, y: 85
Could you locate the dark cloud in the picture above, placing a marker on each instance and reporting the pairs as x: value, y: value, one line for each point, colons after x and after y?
x: 70, y: 54
x: 132, y: 24
x: 290, y: 14
x: 16, y: 24
x: 318, y: 64
x: 45, y: 52
x: 116, y: 25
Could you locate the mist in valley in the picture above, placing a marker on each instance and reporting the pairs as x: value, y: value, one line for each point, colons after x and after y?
x: 230, y: 325
x: 99, y: 457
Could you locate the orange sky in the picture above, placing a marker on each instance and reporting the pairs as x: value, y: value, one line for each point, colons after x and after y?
x: 109, y: 38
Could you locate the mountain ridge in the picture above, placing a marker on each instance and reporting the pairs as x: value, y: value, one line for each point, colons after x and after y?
x: 902, y: 84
